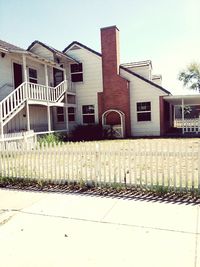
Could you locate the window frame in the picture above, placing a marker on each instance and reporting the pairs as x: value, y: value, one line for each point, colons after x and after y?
x: 71, y: 114
x: 74, y: 73
x: 60, y: 114
x: 89, y: 114
x: 31, y: 78
x: 146, y: 111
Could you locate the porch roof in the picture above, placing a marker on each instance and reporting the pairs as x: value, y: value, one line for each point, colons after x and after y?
x: 188, y: 99
x: 9, y: 48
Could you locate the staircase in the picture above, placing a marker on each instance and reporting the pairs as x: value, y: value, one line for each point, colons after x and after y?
x: 16, y: 100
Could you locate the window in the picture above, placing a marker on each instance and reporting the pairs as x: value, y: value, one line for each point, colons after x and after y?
x: 32, y: 75
x: 71, y: 114
x: 88, y: 114
x: 58, y: 76
x: 60, y: 114
x: 144, y: 111
x: 77, y: 72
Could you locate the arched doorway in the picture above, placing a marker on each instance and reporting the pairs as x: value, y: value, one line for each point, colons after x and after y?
x: 114, y: 121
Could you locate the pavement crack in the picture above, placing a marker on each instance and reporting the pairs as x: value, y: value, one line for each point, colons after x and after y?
x: 109, y: 210
x: 109, y: 223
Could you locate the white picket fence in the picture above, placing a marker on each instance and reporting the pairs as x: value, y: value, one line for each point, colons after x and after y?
x: 18, y: 140
x: 173, y: 164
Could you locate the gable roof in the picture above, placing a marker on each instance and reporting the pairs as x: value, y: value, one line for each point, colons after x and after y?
x: 10, y: 47
x: 145, y: 80
x: 83, y: 46
x: 50, y: 48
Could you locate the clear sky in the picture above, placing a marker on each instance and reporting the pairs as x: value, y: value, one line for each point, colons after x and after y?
x: 166, y: 32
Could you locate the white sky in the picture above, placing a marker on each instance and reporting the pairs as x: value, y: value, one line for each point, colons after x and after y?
x: 166, y: 32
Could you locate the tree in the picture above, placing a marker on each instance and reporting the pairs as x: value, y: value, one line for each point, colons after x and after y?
x: 191, y: 77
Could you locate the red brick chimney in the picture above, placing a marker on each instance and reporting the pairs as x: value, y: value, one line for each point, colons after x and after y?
x: 115, y: 93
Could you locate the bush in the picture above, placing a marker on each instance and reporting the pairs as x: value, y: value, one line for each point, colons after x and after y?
x: 52, y: 138
x: 88, y: 132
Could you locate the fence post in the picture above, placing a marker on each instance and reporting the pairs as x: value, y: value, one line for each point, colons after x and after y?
x: 97, y: 158
x: 198, y: 167
x: 1, y: 121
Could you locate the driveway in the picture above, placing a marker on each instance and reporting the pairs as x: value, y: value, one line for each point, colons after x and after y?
x: 56, y: 229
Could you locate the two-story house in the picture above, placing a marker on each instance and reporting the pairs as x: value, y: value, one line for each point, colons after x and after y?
x: 46, y: 90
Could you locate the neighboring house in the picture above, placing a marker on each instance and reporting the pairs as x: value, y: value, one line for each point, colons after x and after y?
x: 47, y: 90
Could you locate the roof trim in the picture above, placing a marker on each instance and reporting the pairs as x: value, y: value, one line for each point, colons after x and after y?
x: 83, y: 46
x: 137, y: 64
x: 146, y: 80
x: 53, y: 50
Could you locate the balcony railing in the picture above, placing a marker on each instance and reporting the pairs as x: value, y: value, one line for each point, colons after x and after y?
x: 29, y: 91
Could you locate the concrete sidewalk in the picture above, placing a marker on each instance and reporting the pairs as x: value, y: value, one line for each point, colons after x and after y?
x: 51, y: 229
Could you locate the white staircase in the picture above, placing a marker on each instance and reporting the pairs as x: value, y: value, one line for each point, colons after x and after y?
x: 16, y: 100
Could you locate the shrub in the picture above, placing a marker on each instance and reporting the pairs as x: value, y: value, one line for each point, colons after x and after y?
x: 88, y: 132
x: 52, y: 138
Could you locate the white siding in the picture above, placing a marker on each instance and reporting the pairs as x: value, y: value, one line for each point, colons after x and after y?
x: 38, y: 120
x: 144, y: 71
x: 141, y: 91
x: 42, y: 51
x: 157, y: 81
x: 86, y: 91
x: 5, y: 71
x: 40, y: 70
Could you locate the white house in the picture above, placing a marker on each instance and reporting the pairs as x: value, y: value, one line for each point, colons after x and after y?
x: 46, y: 90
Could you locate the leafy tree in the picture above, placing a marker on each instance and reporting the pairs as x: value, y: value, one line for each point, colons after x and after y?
x: 191, y: 77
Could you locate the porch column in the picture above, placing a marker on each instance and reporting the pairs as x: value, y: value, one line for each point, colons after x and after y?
x: 24, y: 68
x: 26, y: 88
x: 49, y: 118
x: 1, y: 122
x: 170, y: 115
x: 46, y: 81
x: 47, y: 92
x: 183, y: 116
x: 66, y: 113
x: 66, y: 103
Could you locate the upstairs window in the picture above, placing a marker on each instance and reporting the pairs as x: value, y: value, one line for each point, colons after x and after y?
x: 60, y: 114
x: 88, y: 114
x: 32, y: 75
x: 144, y: 111
x: 77, y: 72
x: 71, y: 114
x: 58, y: 76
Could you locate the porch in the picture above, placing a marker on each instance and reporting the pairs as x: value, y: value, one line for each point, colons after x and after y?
x: 182, y: 115
x: 32, y: 89
x: 33, y: 107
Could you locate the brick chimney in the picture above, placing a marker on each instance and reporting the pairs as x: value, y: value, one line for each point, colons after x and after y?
x: 115, y: 93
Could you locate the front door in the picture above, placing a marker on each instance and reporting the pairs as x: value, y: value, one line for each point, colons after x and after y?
x: 58, y: 76
x: 17, y: 74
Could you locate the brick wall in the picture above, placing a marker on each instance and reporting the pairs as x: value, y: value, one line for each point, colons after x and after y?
x: 116, y: 93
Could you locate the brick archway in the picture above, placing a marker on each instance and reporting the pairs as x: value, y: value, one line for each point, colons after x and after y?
x: 119, y: 129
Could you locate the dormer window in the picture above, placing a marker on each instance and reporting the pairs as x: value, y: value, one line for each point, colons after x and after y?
x: 77, y: 72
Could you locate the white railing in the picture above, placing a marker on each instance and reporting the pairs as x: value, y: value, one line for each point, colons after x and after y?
x: 31, y: 91
x: 12, y: 102
x: 17, y: 135
x: 58, y: 91
x: 44, y: 93
x: 18, y: 140
x: 188, y: 125
x: 170, y: 164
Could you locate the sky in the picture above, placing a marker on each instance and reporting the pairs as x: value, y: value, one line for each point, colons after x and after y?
x: 166, y: 32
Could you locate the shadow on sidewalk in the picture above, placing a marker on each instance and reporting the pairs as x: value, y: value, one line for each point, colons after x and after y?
x: 130, y: 194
